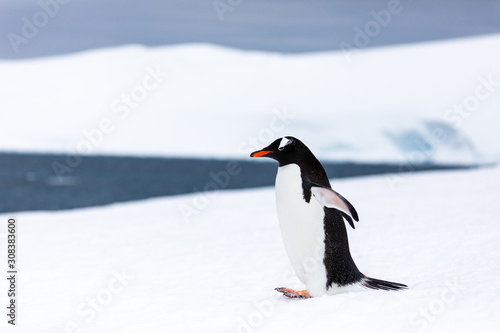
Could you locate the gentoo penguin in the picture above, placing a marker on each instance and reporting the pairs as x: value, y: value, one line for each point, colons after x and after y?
x: 311, y: 217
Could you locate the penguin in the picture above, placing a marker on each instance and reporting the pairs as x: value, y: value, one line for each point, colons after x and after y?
x: 311, y: 216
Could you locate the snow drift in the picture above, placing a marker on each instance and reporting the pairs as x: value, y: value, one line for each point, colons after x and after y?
x: 432, y: 102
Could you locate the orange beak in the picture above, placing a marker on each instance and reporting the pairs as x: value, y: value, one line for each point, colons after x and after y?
x: 260, y: 153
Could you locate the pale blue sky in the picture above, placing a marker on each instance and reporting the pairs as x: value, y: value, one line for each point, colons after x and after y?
x: 278, y: 25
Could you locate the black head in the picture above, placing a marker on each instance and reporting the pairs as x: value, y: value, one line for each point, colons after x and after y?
x: 286, y: 150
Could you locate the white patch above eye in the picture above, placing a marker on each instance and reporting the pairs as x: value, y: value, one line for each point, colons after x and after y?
x: 283, y: 143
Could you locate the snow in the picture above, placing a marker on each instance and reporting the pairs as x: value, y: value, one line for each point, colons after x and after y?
x: 210, y: 262
x: 148, y: 267
x: 429, y: 102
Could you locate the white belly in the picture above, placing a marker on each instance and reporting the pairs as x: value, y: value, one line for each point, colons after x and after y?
x: 302, y: 230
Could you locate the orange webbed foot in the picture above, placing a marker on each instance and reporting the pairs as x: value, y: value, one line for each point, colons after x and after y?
x: 293, y: 293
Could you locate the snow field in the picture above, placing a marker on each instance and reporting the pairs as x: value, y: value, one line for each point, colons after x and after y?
x: 142, y: 266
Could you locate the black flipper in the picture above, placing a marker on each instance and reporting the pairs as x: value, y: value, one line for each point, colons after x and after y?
x: 332, y: 199
x: 349, y: 219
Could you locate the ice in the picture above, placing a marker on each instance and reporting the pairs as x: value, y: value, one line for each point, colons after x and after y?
x: 434, y: 102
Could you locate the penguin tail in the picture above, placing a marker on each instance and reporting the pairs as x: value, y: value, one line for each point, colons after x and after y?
x: 382, y: 285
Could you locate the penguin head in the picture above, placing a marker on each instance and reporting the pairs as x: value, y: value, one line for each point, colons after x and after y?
x: 285, y: 150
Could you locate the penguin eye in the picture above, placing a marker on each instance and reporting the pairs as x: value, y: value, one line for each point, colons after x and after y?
x: 281, y: 148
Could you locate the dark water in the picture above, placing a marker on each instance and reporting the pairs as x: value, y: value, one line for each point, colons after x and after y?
x: 277, y: 25
x: 29, y: 182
